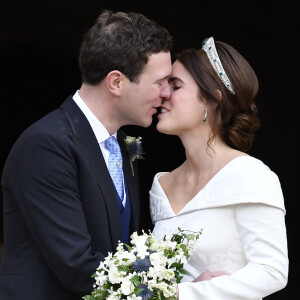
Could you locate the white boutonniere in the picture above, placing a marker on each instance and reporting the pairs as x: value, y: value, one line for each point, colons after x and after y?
x: 133, y: 146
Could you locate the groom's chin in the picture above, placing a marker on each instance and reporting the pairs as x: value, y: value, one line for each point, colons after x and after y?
x: 147, y: 123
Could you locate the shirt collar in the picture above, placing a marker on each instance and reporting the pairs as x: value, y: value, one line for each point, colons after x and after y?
x: 98, y: 128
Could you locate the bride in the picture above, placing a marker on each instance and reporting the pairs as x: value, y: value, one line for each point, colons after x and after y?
x: 234, y: 197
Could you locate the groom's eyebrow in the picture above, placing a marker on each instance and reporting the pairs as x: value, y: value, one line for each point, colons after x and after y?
x: 164, y: 78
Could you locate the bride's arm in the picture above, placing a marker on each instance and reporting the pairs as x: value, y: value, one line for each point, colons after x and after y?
x: 262, y: 229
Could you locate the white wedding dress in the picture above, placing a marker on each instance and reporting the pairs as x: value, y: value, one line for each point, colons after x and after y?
x: 241, y: 211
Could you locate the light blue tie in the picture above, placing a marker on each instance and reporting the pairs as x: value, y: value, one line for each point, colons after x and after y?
x: 115, y: 164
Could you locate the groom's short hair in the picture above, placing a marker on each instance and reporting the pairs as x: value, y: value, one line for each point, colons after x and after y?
x: 120, y: 41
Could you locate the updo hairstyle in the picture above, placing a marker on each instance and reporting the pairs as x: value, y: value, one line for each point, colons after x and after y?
x: 232, y: 116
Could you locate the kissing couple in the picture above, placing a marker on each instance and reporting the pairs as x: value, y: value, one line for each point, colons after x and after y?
x: 70, y: 182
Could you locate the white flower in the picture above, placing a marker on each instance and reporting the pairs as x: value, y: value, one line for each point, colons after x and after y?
x: 167, y: 289
x: 126, y: 258
x: 141, y: 251
x: 158, y: 259
x: 140, y: 247
x: 114, y: 275
x: 156, y: 272
x: 120, y: 247
x: 168, y: 244
x: 180, y: 256
x: 152, y: 273
x: 102, y: 266
x: 154, y: 244
x: 101, y: 278
x: 127, y: 287
x: 172, y: 260
x: 144, y: 278
x: 108, y: 257
x: 134, y: 297
x: 113, y: 297
x: 139, y: 240
x: 166, y: 274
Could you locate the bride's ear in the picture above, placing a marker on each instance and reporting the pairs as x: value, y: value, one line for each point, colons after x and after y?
x: 116, y: 81
x: 219, y: 95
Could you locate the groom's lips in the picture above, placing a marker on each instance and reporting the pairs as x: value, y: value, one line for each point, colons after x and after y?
x: 155, y: 109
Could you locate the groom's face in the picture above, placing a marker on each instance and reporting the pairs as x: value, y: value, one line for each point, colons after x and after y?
x: 143, y: 98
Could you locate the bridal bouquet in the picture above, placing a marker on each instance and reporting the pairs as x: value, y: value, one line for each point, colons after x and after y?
x: 150, y: 269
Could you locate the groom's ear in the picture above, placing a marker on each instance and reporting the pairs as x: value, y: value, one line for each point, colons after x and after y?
x: 116, y: 82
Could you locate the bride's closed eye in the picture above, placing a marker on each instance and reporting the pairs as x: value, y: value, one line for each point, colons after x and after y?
x: 174, y: 87
x: 175, y: 83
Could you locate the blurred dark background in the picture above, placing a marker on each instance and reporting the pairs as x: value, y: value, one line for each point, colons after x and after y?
x: 39, y: 43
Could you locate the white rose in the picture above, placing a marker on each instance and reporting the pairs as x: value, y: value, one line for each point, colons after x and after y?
x: 129, y: 258
x: 114, y: 275
x: 134, y: 297
x: 158, y: 258
x: 142, y: 251
x: 127, y: 287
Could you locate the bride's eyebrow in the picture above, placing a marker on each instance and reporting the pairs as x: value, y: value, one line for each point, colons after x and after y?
x: 172, y: 79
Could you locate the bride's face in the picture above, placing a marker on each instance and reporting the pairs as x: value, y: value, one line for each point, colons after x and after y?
x: 183, y: 111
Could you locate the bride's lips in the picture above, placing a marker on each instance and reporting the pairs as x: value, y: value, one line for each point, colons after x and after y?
x: 163, y: 110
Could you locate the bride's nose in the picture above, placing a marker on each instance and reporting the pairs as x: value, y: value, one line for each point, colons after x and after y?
x: 166, y: 91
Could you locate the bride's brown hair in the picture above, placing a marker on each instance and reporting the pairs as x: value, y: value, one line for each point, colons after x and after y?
x: 232, y: 116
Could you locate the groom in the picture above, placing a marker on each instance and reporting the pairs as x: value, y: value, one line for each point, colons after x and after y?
x: 67, y: 199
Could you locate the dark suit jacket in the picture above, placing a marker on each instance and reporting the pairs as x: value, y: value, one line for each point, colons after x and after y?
x: 60, y: 213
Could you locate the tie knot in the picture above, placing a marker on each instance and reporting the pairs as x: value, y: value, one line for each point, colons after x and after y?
x: 112, y: 145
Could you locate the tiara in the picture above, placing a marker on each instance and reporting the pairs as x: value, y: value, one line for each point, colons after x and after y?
x: 208, y: 45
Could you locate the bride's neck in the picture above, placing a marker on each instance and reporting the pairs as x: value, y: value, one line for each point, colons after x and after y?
x: 201, y: 158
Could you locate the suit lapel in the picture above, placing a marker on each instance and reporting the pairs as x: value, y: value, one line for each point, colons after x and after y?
x: 84, y: 138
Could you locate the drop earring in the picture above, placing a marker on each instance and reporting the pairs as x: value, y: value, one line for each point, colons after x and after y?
x: 205, y: 115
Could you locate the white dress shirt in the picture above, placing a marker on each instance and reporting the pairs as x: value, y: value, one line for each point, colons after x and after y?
x: 99, y: 130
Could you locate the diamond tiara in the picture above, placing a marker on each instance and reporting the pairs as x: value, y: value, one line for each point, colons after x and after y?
x: 208, y: 45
